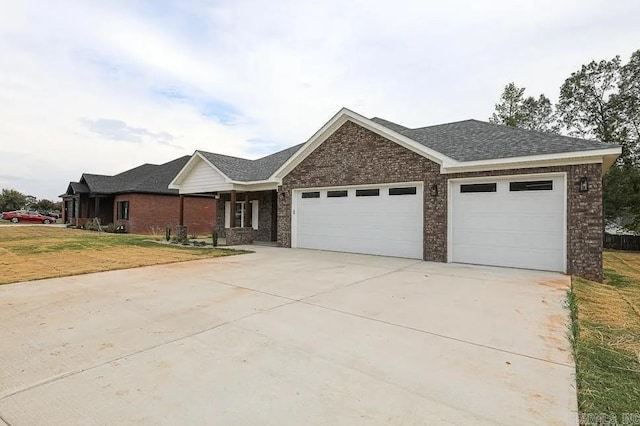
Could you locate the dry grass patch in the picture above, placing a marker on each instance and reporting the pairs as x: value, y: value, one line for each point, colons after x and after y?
x: 36, y: 252
x: 607, y: 337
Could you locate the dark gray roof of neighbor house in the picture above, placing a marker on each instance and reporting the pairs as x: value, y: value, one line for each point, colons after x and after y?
x: 79, y: 188
x: 147, y: 178
x: 244, y: 170
x: 473, y: 140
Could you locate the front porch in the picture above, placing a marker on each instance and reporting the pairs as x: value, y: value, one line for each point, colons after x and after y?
x: 245, y: 217
x: 81, y: 208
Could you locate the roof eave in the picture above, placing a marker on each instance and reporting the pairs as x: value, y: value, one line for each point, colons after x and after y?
x: 605, y: 156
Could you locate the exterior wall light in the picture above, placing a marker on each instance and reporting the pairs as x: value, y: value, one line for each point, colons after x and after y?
x: 434, y: 190
x: 584, y: 184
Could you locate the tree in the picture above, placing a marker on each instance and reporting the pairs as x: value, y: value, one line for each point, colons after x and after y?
x: 621, y: 196
x: 509, y: 109
x: 602, y: 101
x: 44, y: 205
x: 528, y: 113
x: 539, y: 115
x: 628, y: 105
x: 10, y: 199
x: 589, y: 106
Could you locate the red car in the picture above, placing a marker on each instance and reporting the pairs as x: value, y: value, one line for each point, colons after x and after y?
x: 25, y: 216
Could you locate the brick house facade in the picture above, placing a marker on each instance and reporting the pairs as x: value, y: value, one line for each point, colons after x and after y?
x: 351, y: 150
x: 354, y: 155
x: 151, y: 213
x: 151, y: 205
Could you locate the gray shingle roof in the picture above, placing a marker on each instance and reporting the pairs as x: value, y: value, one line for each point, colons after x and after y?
x: 79, y: 188
x: 147, y: 178
x: 244, y: 170
x: 468, y: 140
x: 473, y: 140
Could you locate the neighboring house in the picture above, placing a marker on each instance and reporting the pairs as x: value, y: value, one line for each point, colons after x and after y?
x: 468, y: 192
x: 139, y: 199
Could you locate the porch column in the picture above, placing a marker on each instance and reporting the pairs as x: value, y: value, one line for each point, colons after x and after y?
x: 96, y: 207
x: 181, y: 216
x: 76, y: 209
x: 247, y: 216
x: 232, y: 213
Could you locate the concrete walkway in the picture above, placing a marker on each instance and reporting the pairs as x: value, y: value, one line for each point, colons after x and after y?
x: 288, y: 337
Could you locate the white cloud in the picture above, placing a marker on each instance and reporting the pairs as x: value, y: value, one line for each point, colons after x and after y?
x: 81, y: 81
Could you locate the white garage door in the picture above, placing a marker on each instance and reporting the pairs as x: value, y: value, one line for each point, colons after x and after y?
x: 516, y: 222
x: 383, y: 220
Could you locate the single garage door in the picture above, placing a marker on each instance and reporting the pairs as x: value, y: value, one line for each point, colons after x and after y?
x: 383, y: 220
x: 515, y: 222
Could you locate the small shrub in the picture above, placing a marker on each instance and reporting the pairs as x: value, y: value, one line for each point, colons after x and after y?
x: 155, y: 230
x: 193, y: 236
x: 110, y: 228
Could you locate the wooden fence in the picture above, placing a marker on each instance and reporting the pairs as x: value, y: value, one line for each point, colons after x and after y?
x: 622, y: 242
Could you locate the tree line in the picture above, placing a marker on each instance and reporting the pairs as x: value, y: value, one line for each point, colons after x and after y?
x: 601, y: 100
x: 10, y: 200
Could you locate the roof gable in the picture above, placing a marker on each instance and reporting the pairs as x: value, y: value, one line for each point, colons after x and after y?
x: 342, y: 117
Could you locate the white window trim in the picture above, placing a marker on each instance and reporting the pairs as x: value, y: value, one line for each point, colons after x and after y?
x: 255, y: 214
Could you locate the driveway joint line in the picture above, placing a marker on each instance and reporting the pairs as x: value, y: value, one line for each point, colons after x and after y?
x: 393, y: 271
x: 2, y: 419
x: 439, y: 335
x: 149, y: 348
x: 315, y: 294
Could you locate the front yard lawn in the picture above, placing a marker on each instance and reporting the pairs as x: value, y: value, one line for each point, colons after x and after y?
x: 607, y: 347
x: 35, y: 252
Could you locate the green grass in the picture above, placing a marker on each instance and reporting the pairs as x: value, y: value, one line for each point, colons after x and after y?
x: 605, y: 334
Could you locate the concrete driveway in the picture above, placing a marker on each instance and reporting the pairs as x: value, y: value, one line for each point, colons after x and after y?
x: 288, y: 337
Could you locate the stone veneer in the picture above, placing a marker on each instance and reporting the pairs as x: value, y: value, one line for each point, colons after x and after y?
x: 266, y: 216
x: 354, y: 155
x: 239, y: 236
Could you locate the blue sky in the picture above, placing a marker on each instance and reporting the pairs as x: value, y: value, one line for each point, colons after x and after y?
x: 100, y: 87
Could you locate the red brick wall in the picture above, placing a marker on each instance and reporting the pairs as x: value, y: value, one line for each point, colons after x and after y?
x: 148, y: 212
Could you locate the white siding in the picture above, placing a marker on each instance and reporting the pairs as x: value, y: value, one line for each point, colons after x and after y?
x: 203, y: 178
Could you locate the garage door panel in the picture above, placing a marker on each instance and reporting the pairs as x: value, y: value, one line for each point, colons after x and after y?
x: 521, y: 223
x: 506, y: 240
x: 384, y: 224
x: 514, y: 258
x: 509, y: 228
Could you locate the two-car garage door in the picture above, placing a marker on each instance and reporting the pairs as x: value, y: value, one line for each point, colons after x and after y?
x: 508, y: 221
x: 378, y: 219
